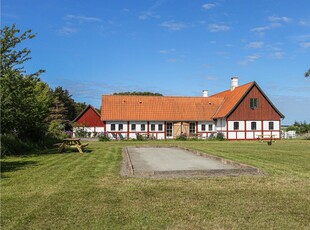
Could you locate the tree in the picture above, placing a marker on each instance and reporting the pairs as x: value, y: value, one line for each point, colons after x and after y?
x: 138, y: 93
x: 307, y: 74
x: 12, y: 59
x: 25, y: 99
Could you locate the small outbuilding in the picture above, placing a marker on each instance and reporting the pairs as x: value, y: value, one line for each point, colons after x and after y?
x: 88, y: 123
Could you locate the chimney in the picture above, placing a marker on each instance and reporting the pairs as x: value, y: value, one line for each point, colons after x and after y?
x: 205, y: 93
x: 234, y: 83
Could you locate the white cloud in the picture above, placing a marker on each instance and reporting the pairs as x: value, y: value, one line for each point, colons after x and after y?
x: 249, y: 59
x: 304, y: 22
x: 82, y: 18
x: 173, y: 25
x: 149, y: 13
x: 273, y: 23
x: 218, y: 28
x: 305, y: 44
x: 208, y: 6
x: 277, y: 54
x: 255, y: 45
x: 172, y: 60
x: 167, y: 51
x: 67, y: 30
x: 279, y: 19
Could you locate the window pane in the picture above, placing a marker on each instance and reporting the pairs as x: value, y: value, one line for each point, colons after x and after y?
x: 133, y: 127
x: 142, y: 127
x: 160, y: 127
x: 152, y: 127
x: 192, y: 128
x: 120, y: 127
x: 203, y: 127
x: 271, y: 125
x: 112, y: 126
x: 236, y: 125
x: 253, y: 103
x: 169, y: 129
x: 253, y: 125
x: 210, y: 127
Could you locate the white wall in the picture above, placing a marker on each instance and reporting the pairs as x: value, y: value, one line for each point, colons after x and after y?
x: 88, y: 129
x: 231, y: 125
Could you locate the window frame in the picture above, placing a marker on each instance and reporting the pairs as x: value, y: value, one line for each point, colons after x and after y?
x: 236, y: 125
x: 153, y: 127
x: 192, y: 128
x: 169, y: 129
x: 133, y: 127
x: 271, y: 125
x: 203, y: 127
x: 142, y: 127
x: 253, y: 125
x: 254, y: 103
x: 210, y: 127
x: 160, y: 127
x: 120, y: 127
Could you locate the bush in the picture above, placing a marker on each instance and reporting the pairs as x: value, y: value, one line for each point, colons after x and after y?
x: 11, y: 145
x: 81, y: 133
x: 306, y: 136
x: 139, y: 137
x: 181, y: 137
x: 56, y: 129
x: 220, y: 137
x: 103, y: 137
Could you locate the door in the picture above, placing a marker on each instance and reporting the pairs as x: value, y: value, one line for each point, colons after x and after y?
x: 169, y: 130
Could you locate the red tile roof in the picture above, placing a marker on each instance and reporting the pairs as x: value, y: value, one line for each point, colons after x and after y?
x: 162, y: 108
x: 231, y: 99
x: 158, y: 108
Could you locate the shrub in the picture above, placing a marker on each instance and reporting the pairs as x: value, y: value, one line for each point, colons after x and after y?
x: 103, y: 137
x: 11, y: 145
x: 56, y: 129
x: 140, y: 137
x: 306, y: 136
x: 220, y: 137
x: 181, y: 137
x: 80, y: 133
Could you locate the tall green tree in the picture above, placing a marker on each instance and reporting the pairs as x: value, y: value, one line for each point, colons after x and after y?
x: 138, y: 93
x: 307, y: 74
x: 25, y: 99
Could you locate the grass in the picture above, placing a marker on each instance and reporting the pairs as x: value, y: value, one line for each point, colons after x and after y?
x: 85, y: 191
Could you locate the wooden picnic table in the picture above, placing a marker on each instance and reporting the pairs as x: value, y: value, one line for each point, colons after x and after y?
x: 71, y: 143
x: 266, y: 137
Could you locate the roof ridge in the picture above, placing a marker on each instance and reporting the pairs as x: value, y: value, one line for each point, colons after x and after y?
x: 228, y: 90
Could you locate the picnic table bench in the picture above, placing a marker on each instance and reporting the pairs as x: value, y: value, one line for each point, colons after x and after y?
x: 71, y: 143
x: 266, y: 137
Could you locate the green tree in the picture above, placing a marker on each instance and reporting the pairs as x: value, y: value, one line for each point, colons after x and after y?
x: 64, y: 109
x: 307, y: 74
x: 25, y: 99
x: 138, y: 93
x: 12, y: 59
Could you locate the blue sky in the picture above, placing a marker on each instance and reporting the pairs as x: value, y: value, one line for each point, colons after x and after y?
x: 173, y: 47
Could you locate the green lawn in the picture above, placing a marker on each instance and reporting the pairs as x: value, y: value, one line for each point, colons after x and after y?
x: 85, y: 191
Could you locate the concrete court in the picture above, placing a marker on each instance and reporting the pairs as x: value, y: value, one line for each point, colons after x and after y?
x: 172, y: 159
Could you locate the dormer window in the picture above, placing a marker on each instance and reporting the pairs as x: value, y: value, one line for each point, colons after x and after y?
x: 253, y: 103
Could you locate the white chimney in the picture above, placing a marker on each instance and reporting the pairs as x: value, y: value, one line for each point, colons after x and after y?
x: 205, y: 93
x: 234, y: 83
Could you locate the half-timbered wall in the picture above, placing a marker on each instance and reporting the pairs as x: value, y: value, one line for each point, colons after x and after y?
x: 246, y: 116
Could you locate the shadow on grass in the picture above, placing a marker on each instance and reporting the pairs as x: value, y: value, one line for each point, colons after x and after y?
x: 11, y: 166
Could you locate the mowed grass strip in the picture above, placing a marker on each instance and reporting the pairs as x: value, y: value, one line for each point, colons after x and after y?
x: 84, y: 191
